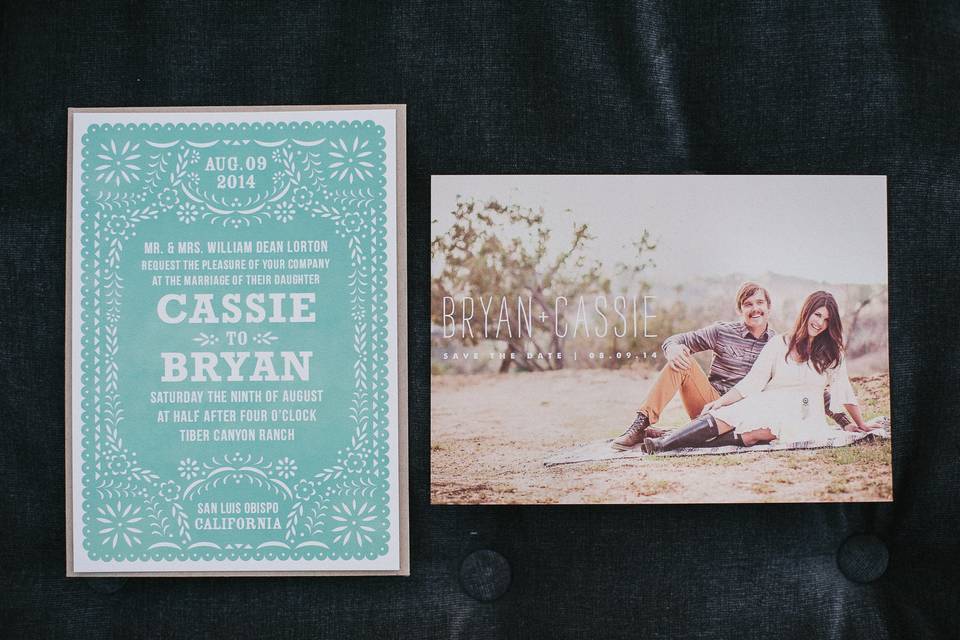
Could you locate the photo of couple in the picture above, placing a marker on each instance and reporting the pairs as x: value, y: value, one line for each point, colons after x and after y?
x: 659, y: 339
x: 761, y: 387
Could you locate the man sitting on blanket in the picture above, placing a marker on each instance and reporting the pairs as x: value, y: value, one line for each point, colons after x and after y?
x: 735, y: 347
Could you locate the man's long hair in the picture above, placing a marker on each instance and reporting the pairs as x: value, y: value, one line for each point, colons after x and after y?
x: 826, y: 349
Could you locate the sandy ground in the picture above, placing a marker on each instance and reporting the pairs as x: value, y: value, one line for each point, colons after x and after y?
x: 490, y: 434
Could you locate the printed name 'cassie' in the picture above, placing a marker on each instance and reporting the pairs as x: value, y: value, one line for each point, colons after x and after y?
x: 170, y: 308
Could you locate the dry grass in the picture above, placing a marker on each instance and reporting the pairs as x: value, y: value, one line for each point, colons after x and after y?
x: 657, y: 487
x: 490, y: 435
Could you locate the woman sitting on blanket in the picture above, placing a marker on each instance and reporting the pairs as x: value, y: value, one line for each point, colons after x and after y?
x: 780, y: 398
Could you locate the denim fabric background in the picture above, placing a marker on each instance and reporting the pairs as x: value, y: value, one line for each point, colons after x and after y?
x: 722, y: 87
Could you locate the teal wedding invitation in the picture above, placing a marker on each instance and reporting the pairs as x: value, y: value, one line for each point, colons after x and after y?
x: 236, y: 341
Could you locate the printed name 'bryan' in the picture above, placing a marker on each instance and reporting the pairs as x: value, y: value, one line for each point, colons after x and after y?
x: 205, y: 364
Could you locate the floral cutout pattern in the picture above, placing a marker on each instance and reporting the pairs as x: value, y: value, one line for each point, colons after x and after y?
x: 133, y: 176
x: 120, y: 523
x: 118, y: 164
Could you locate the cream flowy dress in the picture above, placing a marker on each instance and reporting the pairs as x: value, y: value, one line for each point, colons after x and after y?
x: 787, y: 397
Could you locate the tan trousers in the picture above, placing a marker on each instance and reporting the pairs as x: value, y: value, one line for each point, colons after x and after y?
x: 695, y: 391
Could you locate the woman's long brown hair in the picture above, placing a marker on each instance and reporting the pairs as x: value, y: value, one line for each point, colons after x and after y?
x: 827, y: 347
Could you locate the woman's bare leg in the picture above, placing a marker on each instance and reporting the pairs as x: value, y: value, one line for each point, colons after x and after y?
x: 758, y: 436
x: 722, y: 427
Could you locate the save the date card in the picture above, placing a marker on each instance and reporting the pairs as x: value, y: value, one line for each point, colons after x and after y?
x: 659, y: 339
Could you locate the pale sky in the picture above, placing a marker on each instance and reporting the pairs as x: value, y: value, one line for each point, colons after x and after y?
x: 830, y: 228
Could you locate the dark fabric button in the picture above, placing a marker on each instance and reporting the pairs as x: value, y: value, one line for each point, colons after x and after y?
x: 863, y: 558
x: 485, y: 575
x: 106, y: 585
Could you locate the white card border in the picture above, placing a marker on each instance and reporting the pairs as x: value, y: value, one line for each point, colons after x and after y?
x: 396, y: 561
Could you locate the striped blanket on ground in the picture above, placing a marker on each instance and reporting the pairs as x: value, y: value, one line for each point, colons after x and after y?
x: 601, y: 450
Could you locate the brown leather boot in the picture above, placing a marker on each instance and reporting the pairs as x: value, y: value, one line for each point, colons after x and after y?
x: 634, y: 434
